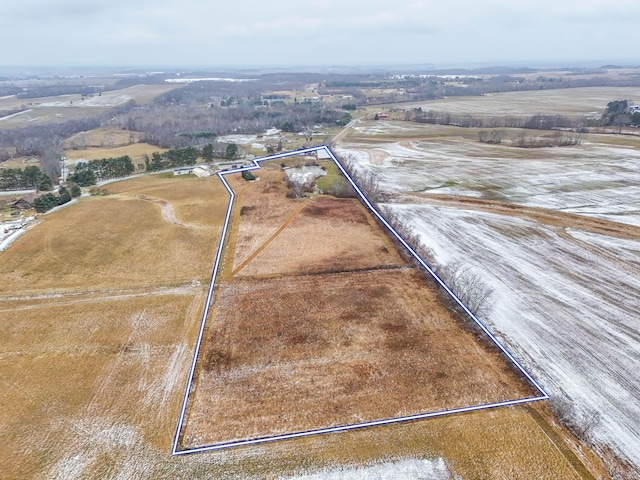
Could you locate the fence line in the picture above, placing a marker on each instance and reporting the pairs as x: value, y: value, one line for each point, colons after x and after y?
x: 185, y: 402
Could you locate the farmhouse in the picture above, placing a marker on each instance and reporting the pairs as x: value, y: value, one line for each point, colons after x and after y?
x: 26, y: 202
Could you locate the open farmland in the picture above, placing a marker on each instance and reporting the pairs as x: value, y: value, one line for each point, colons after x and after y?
x: 574, y: 101
x: 136, y: 152
x: 554, y: 231
x: 97, y: 314
x: 69, y: 107
x: 98, y: 330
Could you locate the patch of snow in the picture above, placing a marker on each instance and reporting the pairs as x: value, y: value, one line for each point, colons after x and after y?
x: 566, y: 300
x: 8, y: 240
x: 241, y: 139
x: 305, y: 174
x: 409, y: 469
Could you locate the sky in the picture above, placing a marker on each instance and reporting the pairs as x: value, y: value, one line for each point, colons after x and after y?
x: 250, y: 33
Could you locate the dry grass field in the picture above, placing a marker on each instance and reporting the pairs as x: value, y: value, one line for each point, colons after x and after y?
x: 108, y: 142
x: 141, y: 244
x: 307, y: 352
x: 98, y: 315
x: 104, y: 136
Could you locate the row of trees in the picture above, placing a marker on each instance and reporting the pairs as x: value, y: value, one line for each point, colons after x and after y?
x: 555, y: 139
x: 46, y: 202
x: 29, y: 178
x: 95, y: 171
x: 172, y: 158
x: 181, y: 157
x: 535, y: 122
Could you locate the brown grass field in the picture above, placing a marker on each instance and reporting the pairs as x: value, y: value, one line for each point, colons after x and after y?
x: 136, y: 151
x: 99, y: 313
x: 299, y: 353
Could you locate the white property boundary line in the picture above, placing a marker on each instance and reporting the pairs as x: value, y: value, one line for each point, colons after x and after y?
x: 543, y: 394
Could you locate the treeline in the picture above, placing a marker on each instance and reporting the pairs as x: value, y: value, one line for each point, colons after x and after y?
x: 47, y: 202
x: 29, y: 178
x: 536, y: 122
x: 180, y: 126
x: 13, y: 111
x: 95, y: 171
x: 172, y: 158
x: 555, y: 139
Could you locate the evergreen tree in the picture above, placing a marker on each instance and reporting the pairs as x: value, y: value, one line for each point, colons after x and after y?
x: 45, y: 202
x: 64, y: 196
x: 83, y: 176
x: 232, y: 151
x: 207, y: 152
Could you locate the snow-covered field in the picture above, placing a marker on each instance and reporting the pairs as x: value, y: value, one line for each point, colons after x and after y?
x: 566, y: 299
x: 591, y: 179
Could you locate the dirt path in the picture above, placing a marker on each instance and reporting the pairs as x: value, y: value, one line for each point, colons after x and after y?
x: 166, y: 209
x: 89, y: 296
x: 266, y: 243
x: 552, y: 218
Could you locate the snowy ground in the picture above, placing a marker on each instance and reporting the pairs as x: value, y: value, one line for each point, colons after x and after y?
x: 409, y: 469
x: 244, y: 139
x: 566, y: 300
x: 10, y: 231
x: 591, y: 179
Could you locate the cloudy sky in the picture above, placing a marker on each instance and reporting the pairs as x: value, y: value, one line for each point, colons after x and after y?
x: 216, y: 33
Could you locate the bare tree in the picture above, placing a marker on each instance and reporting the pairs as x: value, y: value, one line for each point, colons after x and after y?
x: 468, y: 287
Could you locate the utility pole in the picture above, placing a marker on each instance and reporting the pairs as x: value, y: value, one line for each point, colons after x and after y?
x: 63, y: 171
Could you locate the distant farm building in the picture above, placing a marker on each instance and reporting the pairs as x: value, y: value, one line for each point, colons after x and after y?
x: 197, y: 170
x: 26, y: 202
